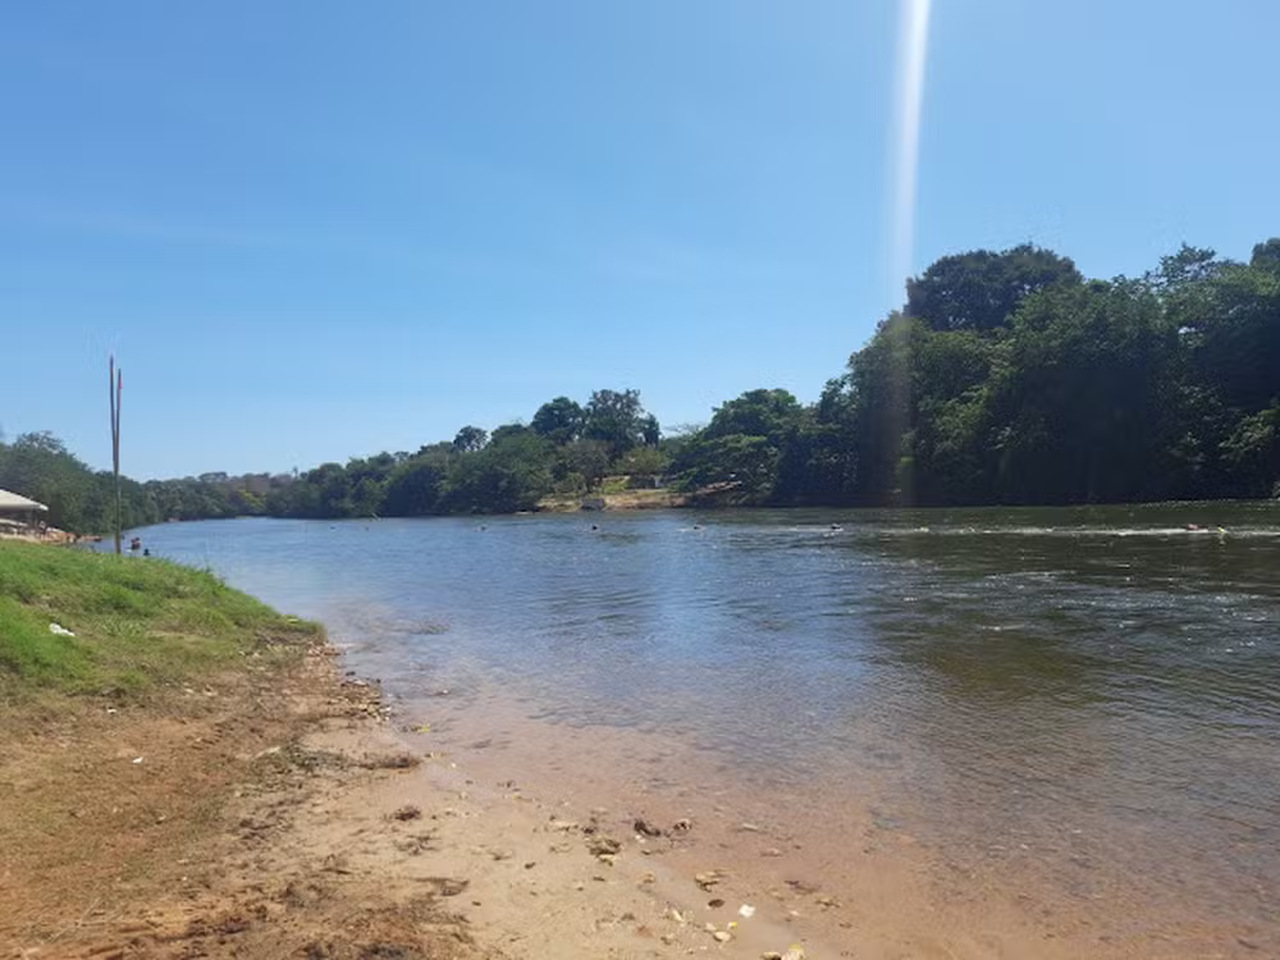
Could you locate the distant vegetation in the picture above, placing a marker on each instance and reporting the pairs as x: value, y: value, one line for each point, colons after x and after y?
x: 39, y: 466
x: 1006, y: 378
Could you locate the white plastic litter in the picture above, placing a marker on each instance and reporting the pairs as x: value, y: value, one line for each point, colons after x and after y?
x: 58, y: 630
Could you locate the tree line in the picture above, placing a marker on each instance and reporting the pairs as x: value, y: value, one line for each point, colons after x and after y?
x: 567, y: 448
x: 1006, y: 378
x: 82, y: 500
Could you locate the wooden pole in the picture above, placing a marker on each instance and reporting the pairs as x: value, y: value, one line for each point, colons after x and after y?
x: 114, y: 383
x: 119, y: 399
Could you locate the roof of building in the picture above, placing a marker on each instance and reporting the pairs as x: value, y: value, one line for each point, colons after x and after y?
x: 13, y: 501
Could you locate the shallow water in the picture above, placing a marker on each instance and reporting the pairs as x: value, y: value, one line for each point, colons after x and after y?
x: 1098, y: 685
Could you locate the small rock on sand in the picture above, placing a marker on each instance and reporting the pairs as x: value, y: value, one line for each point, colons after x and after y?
x: 708, y: 878
x: 604, y: 846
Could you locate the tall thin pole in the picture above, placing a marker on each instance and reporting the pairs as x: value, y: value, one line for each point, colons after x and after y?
x: 115, y: 387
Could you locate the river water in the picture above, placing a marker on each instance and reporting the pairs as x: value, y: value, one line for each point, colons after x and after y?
x: 1088, y: 697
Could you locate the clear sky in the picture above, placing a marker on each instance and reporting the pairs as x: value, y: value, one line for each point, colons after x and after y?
x: 312, y: 230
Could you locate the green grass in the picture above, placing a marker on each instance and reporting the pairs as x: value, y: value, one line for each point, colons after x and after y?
x: 613, y: 485
x: 137, y: 623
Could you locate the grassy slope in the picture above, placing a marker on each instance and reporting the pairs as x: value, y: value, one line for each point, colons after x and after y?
x: 137, y: 623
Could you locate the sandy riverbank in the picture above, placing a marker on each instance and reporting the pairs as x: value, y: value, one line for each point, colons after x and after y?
x: 294, y: 815
x: 282, y: 816
x: 187, y: 773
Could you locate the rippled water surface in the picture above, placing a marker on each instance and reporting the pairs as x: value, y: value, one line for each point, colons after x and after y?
x: 1003, y: 677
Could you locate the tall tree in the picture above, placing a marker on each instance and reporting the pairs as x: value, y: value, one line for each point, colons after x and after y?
x: 470, y: 439
x: 559, y: 420
x: 981, y: 289
x: 614, y: 417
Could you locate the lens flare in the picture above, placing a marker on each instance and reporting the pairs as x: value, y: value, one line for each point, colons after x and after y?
x: 913, y: 47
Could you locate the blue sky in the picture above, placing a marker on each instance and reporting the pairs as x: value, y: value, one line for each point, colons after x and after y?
x: 312, y: 230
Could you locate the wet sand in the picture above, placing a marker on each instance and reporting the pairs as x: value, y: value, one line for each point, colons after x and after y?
x: 828, y: 864
x: 306, y: 816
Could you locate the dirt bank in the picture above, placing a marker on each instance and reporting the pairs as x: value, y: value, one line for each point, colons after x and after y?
x: 286, y: 813
x: 176, y: 828
x: 280, y: 815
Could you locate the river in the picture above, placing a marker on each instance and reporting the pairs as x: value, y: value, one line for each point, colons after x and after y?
x: 1083, y: 702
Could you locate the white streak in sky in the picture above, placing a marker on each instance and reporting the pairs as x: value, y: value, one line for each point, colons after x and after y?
x: 913, y: 47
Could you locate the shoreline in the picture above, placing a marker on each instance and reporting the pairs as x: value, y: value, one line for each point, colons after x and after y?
x: 331, y: 830
x: 271, y: 804
x: 319, y: 832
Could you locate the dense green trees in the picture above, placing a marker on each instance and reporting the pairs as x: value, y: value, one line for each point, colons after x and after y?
x: 81, y: 500
x: 1006, y: 378
x: 980, y: 290
x: 741, y: 448
x: 566, y: 449
x: 560, y: 420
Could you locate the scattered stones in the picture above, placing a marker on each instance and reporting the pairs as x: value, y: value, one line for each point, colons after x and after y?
x: 681, y: 826
x: 407, y: 812
x: 722, y: 936
x: 445, y: 886
x: 802, y: 888
x: 646, y: 829
x: 390, y: 761
x: 604, y: 846
x: 826, y: 901
x: 708, y: 878
x: 715, y: 903
x: 416, y: 844
x: 748, y: 828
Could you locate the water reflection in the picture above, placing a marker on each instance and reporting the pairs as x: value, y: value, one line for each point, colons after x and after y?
x: 1092, y: 683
